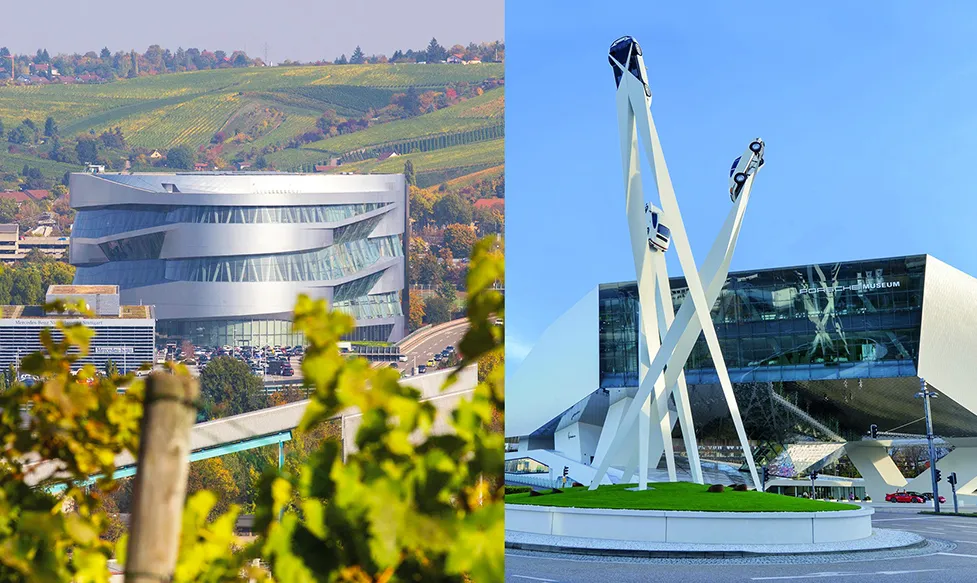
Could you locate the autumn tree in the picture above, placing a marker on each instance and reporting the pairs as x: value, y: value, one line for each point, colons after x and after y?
x: 459, y: 239
x: 416, y: 316
x: 211, y: 474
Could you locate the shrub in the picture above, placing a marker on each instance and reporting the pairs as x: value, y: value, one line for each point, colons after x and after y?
x: 535, y: 493
x: 716, y: 488
x: 517, y: 489
x: 741, y: 488
x: 556, y: 491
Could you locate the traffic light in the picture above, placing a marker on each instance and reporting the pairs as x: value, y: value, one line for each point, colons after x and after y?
x: 938, y: 475
x: 952, y: 478
x: 566, y: 471
x: 766, y: 474
x: 814, y: 476
x: 873, y: 431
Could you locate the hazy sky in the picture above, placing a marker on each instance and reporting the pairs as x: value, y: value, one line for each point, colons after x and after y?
x: 302, y: 30
x: 868, y: 111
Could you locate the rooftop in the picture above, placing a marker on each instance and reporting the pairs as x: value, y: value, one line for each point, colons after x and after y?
x: 37, y: 312
x: 82, y: 289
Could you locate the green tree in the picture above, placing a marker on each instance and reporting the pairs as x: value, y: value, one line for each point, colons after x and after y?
x: 111, y: 369
x: 437, y: 310
x: 87, y: 150
x: 8, y: 210
x: 435, y: 52
x: 342, y: 60
x: 409, y: 173
x: 179, y: 157
x: 26, y: 287
x: 459, y: 239
x: 411, y: 102
x: 357, y: 58
x: 227, y: 387
x: 35, y: 255
x: 50, y: 128
x: 451, y: 208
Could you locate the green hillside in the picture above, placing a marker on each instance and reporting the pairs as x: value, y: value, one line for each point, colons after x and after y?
x: 273, y: 106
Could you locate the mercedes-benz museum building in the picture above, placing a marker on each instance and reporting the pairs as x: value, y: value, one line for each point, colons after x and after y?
x: 223, y: 256
x: 817, y: 355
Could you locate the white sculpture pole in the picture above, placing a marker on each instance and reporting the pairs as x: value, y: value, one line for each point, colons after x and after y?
x: 648, y: 316
x: 634, y: 102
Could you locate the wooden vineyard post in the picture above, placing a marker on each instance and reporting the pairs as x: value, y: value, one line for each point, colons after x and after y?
x: 161, y: 477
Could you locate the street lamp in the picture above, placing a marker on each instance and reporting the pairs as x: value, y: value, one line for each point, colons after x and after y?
x: 926, y: 395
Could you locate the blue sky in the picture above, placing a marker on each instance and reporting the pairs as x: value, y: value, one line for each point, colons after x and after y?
x: 869, y: 115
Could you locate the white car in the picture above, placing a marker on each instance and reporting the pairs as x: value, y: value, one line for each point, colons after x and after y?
x: 658, y: 234
x: 744, y: 166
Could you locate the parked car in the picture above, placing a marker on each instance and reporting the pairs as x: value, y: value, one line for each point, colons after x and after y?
x: 422, y: 369
x: 430, y: 362
x: 929, y: 496
x: 744, y: 166
x: 450, y: 349
x: 287, y: 371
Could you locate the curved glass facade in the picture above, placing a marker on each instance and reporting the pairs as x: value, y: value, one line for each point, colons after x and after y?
x: 252, y: 332
x: 333, y: 262
x: 157, y: 237
x: 113, y: 220
x: 802, y: 321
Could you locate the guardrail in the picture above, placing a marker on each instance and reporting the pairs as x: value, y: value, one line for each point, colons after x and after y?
x: 530, y: 480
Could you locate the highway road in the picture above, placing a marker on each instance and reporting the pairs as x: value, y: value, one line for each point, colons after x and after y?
x: 950, y: 556
x: 424, y: 347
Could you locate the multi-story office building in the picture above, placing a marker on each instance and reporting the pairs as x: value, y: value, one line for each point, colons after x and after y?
x: 816, y: 353
x: 123, y: 334
x: 223, y: 256
x: 15, y: 248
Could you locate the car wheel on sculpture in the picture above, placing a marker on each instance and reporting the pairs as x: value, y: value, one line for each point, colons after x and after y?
x: 740, y: 178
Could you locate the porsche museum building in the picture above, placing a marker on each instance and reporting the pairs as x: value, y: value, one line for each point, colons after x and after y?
x: 816, y: 353
x: 223, y: 256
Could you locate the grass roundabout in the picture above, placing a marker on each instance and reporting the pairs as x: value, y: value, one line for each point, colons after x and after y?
x: 682, y: 496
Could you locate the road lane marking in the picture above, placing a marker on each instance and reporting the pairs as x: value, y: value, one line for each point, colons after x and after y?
x: 958, y: 555
x: 972, y: 542
x: 831, y: 574
x: 898, y: 519
x: 534, y: 578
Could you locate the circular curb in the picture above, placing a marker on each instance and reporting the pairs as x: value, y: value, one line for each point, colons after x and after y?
x: 703, y: 554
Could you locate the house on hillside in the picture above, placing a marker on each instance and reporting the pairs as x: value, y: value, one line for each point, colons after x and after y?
x: 202, y: 166
x: 243, y: 165
x: 491, y: 204
x: 38, y: 195
x: 456, y: 59
x: 17, y: 196
x: 386, y: 155
x: 474, y: 61
x: 155, y: 155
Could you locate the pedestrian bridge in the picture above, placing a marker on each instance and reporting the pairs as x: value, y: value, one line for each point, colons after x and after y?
x: 275, y: 425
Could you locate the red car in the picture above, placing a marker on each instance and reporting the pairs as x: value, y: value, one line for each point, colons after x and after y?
x: 903, y: 497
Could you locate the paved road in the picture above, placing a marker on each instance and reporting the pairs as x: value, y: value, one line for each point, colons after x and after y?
x: 434, y: 343
x: 950, y: 558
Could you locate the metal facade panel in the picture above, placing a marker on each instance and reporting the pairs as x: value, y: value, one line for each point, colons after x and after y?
x: 560, y: 370
x: 948, y: 339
